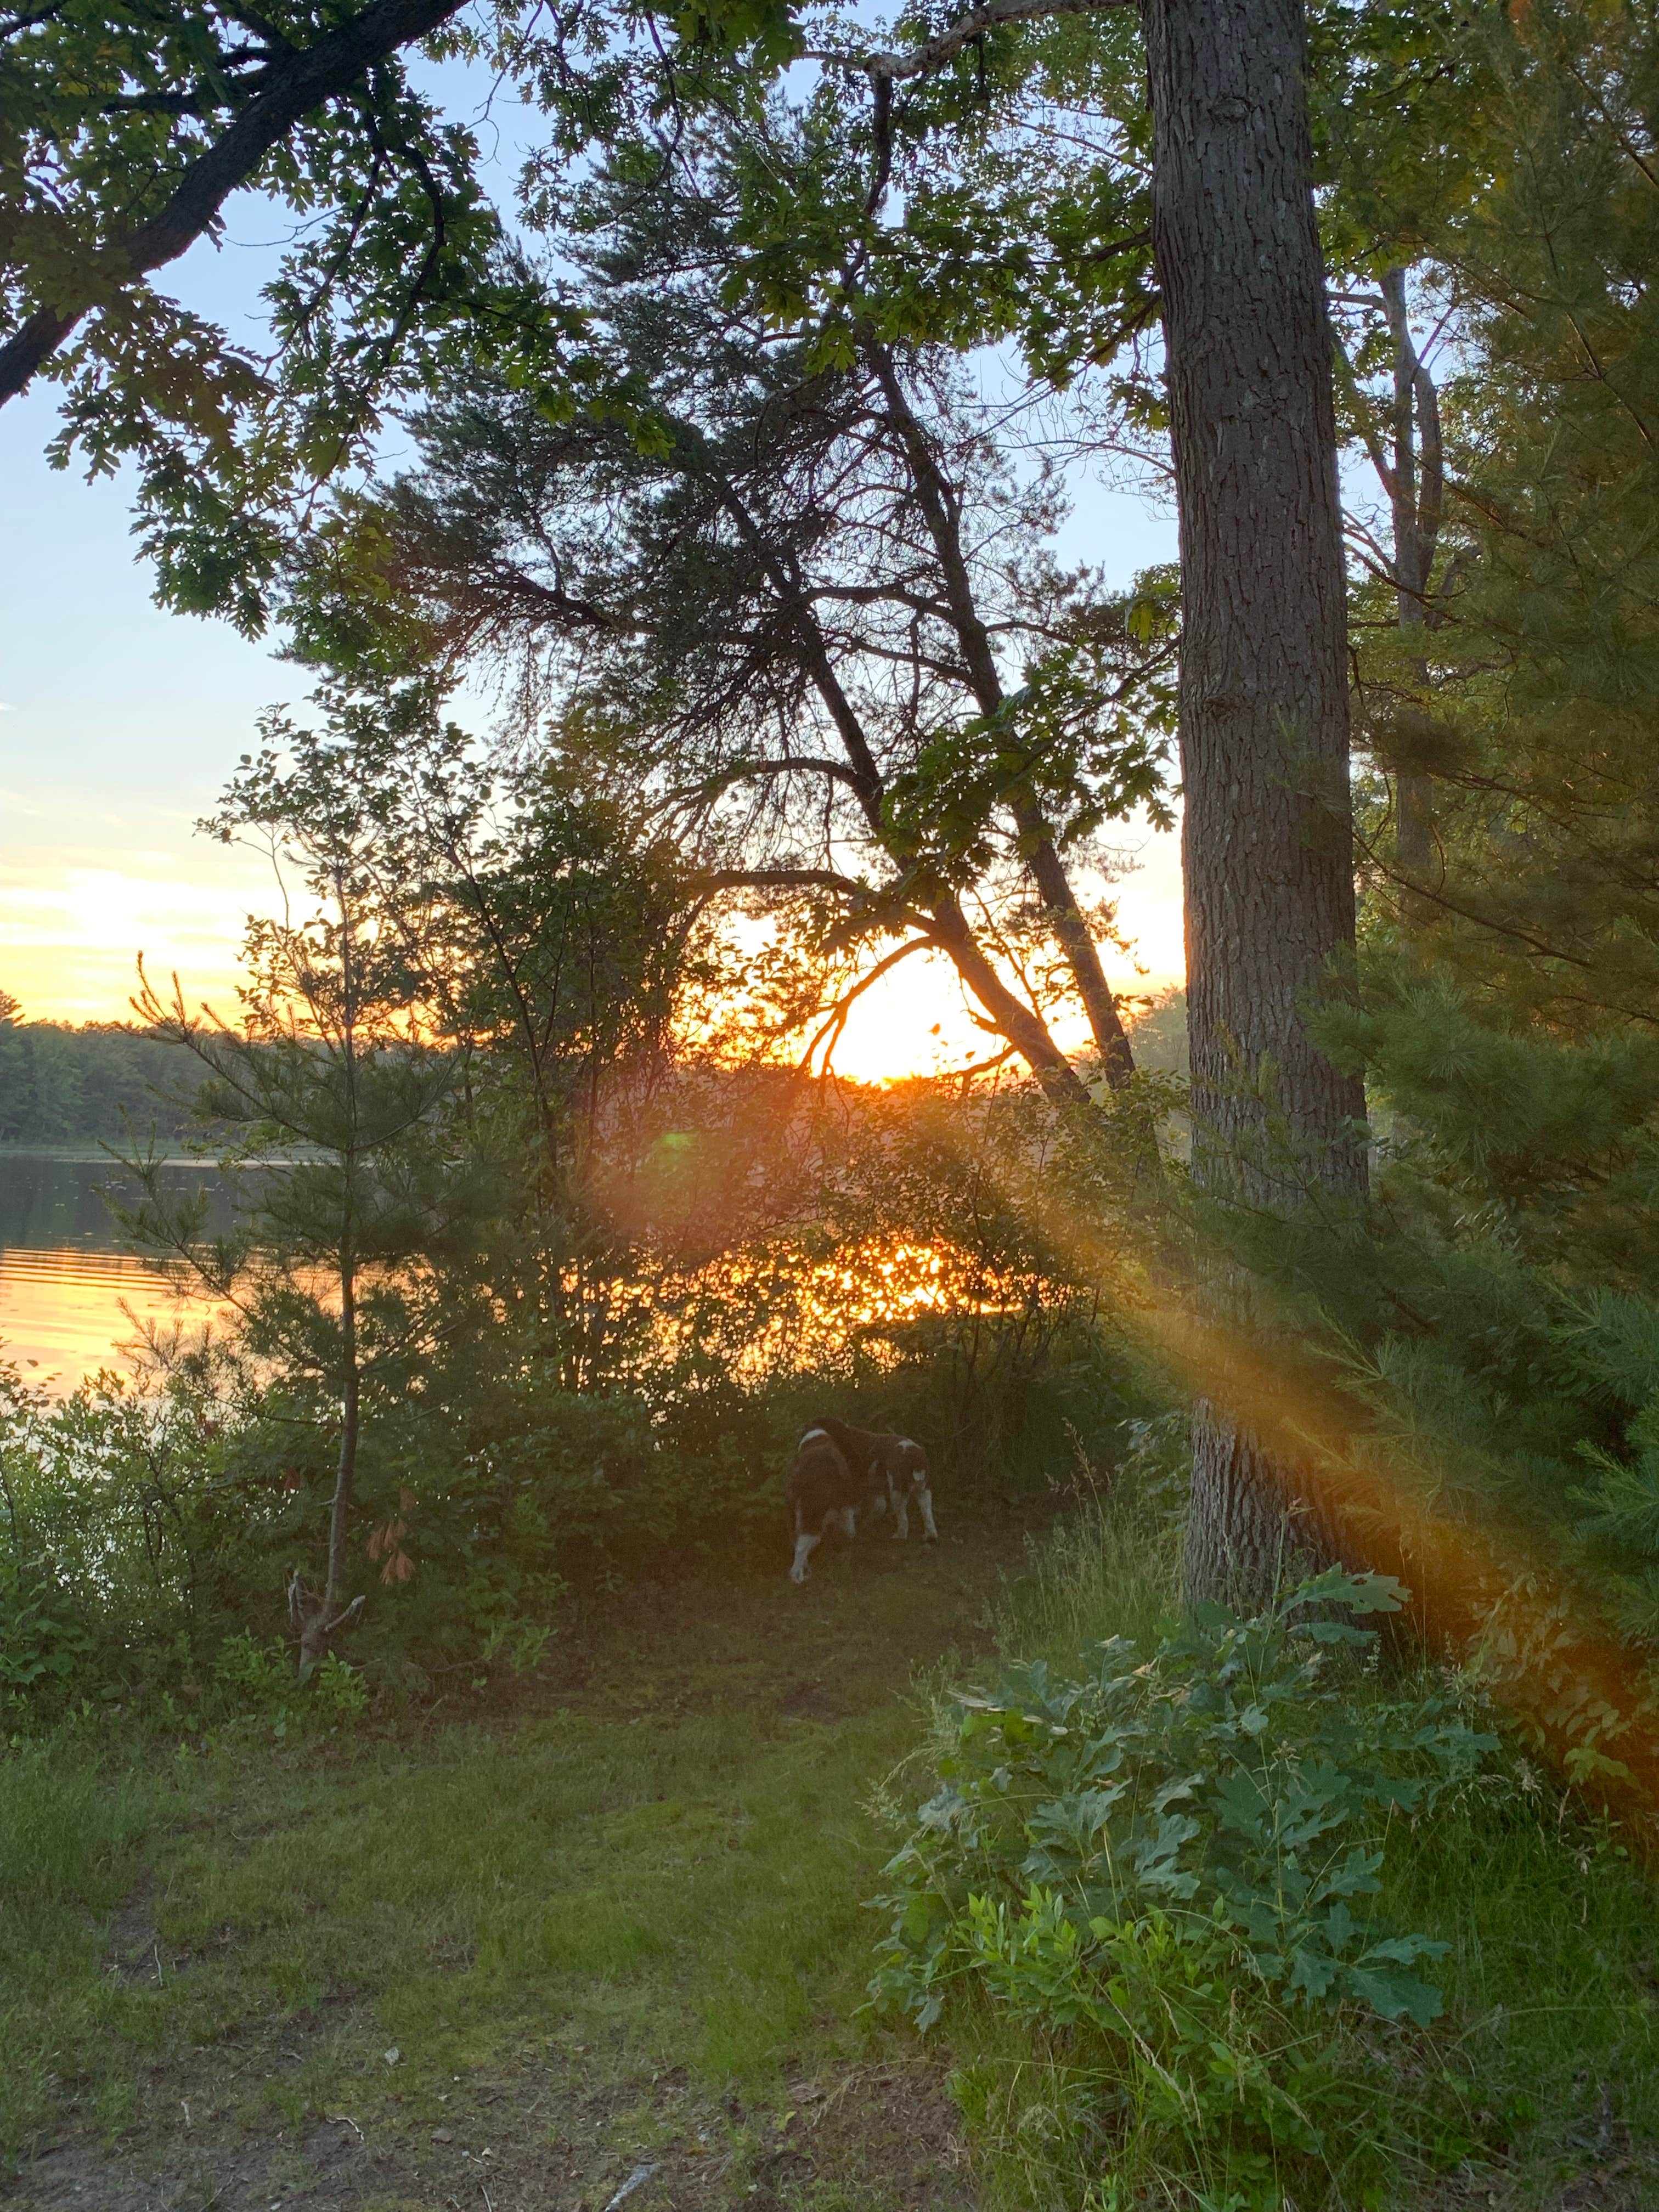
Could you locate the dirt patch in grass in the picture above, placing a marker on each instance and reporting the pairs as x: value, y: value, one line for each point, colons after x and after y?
x: 132, y: 1949
x: 871, y: 2135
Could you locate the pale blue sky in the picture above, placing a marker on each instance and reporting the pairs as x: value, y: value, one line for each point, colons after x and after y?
x: 119, y: 723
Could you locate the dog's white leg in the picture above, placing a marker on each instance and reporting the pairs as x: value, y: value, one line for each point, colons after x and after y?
x: 849, y: 1520
x: 902, y: 1518
x: 804, y: 1547
x: 924, y: 1499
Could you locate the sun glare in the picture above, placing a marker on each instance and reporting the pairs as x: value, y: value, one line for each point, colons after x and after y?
x: 70, y: 937
x: 918, y: 1021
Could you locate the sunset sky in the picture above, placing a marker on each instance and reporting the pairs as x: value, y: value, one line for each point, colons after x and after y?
x: 120, y: 724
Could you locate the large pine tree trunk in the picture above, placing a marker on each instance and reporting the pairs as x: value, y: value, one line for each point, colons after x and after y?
x: 1267, y: 841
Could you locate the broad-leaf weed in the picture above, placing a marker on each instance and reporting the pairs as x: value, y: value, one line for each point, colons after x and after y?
x: 1165, y: 1875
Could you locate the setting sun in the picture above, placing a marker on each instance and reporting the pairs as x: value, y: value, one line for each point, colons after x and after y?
x: 917, y: 1020
x: 70, y: 936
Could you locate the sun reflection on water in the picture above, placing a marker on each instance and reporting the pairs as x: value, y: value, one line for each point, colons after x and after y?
x: 65, y: 1313
x: 787, y: 1309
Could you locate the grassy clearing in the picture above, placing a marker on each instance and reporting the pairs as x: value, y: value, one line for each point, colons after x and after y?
x: 651, y: 1875
x: 621, y: 1925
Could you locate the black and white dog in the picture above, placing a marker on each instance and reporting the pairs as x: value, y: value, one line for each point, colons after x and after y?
x: 840, y: 1471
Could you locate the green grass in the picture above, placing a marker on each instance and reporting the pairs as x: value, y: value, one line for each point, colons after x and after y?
x: 1539, y: 2088
x: 663, y: 1869
x: 625, y: 1919
x: 1550, y: 2044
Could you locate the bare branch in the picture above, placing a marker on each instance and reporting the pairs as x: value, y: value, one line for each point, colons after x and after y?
x: 719, y: 780
x: 802, y: 880
x: 844, y: 1005
x: 933, y: 53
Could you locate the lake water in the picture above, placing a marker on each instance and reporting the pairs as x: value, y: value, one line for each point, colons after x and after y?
x: 70, y: 1295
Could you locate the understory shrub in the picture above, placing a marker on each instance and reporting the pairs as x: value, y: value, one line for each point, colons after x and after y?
x: 1163, y: 1875
x: 148, y: 1534
x: 258, y: 1683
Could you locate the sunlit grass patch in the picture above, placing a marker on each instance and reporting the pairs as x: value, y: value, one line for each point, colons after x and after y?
x: 667, y: 1873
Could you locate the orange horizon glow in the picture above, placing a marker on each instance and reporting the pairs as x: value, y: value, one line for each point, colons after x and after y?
x: 70, y: 936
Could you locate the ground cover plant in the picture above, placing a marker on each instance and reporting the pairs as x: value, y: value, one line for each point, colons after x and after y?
x: 1171, y: 1865
x: 1252, y: 1913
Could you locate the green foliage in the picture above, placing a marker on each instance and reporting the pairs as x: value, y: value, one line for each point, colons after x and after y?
x: 1087, y: 747
x: 795, y: 614
x: 493, y: 1501
x: 120, y: 143
x: 1165, y: 1873
x: 1548, y: 2014
x: 1545, y: 802
x: 257, y: 1682
x: 473, y: 1527
x: 41, y: 1637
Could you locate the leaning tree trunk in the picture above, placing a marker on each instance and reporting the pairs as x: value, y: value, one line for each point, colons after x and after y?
x: 1267, y: 840
x: 1416, y: 492
x: 942, y: 513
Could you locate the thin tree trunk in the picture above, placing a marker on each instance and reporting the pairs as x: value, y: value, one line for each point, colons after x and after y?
x: 941, y: 511
x: 1019, y: 1025
x: 1415, y: 499
x: 345, y: 1482
x: 1414, y: 831
x: 1263, y: 702
x: 1015, y: 1021
x: 324, y: 1617
x: 1076, y: 940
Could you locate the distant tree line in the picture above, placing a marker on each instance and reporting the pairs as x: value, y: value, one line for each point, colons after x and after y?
x: 60, y: 1084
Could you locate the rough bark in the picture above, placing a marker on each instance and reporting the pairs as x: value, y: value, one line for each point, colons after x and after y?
x: 1263, y: 701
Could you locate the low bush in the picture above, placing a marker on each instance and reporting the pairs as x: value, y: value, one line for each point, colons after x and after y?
x: 1165, y: 1876
x: 148, y: 1534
